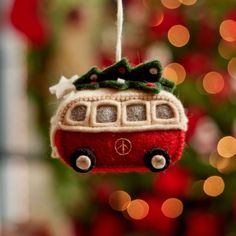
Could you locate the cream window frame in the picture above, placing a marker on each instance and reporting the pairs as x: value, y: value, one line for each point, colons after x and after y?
x: 105, y: 124
x: 125, y: 122
x: 85, y: 122
x: 155, y: 120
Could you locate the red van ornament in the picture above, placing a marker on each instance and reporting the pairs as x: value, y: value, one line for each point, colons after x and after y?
x: 118, y: 120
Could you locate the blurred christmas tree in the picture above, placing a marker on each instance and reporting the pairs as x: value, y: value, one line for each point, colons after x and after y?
x: 195, y: 41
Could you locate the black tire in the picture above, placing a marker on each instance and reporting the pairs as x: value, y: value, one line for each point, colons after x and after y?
x: 87, y: 154
x: 156, y: 153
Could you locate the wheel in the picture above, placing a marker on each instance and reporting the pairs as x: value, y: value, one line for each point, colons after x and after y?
x: 83, y: 160
x: 156, y: 160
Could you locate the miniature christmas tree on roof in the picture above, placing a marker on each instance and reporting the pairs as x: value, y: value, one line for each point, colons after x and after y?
x: 146, y: 76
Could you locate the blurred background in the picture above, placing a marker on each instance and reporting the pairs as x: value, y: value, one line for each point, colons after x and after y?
x: 195, y: 40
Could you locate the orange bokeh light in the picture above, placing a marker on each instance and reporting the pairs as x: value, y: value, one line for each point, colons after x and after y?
x: 172, y: 208
x: 119, y: 200
x: 175, y: 72
x: 232, y: 67
x: 188, y: 2
x: 171, y: 4
x: 138, y: 209
x: 228, y: 30
x: 178, y: 35
x: 213, y: 82
x: 170, y: 74
x: 227, y: 49
x: 218, y: 162
x: 214, y: 186
x: 226, y: 147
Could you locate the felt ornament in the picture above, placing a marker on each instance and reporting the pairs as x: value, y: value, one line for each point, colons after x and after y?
x: 121, y: 118
x: 118, y: 119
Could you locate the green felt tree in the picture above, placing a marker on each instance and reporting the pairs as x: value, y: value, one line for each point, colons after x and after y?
x: 146, y: 76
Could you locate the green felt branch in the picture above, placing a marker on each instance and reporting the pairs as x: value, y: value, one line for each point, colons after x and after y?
x: 146, y: 76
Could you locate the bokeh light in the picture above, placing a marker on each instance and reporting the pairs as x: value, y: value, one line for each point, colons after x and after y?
x: 175, y: 72
x: 228, y: 30
x: 156, y: 19
x: 232, y: 67
x: 178, y: 35
x: 188, y: 2
x: 138, y: 209
x: 119, y: 200
x: 226, y: 147
x: 227, y: 49
x: 223, y: 164
x: 214, y: 158
x: 171, y: 4
x: 213, y: 82
x: 172, y: 208
x: 214, y: 186
x: 218, y: 162
x: 170, y: 74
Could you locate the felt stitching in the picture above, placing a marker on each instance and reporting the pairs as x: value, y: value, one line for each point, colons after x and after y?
x: 127, y: 166
x: 163, y: 96
x: 123, y: 146
x: 121, y: 128
x: 57, y: 120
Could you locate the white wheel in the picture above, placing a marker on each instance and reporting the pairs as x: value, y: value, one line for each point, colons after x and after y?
x: 158, y: 162
x: 83, y: 162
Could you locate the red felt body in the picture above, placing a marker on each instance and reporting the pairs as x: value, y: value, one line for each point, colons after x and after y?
x: 103, y: 146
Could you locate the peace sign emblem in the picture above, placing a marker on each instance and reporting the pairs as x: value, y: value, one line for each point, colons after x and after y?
x: 123, y: 146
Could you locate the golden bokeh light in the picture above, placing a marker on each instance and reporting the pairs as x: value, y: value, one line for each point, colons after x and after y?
x: 228, y: 30
x: 213, y: 186
x: 213, y: 82
x: 138, y: 209
x: 178, y: 35
x: 170, y: 74
x: 188, y: 2
x: 227, y: 49
x: 218, y: 162
x: 232, y: 67
x: 213, y: 159
x: 172, y: 208
x: 119, y: 200
x: 228, y: 166
x: 175, y: 72
x: 226, y: 147
x: 171, y: 4
x: 223, y: 164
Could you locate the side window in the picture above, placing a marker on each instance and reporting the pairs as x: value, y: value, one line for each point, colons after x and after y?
x: 164, y: 111
x: 136, y: 112
x: 78, y: 113
x: 106, y: 113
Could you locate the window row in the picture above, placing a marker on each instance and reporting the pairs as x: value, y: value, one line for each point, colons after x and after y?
x: 131, y: 111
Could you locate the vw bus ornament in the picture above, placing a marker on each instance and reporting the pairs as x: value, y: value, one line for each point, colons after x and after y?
x: 118, y: 120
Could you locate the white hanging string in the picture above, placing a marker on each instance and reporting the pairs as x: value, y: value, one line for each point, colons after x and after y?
x: 120, y: 20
